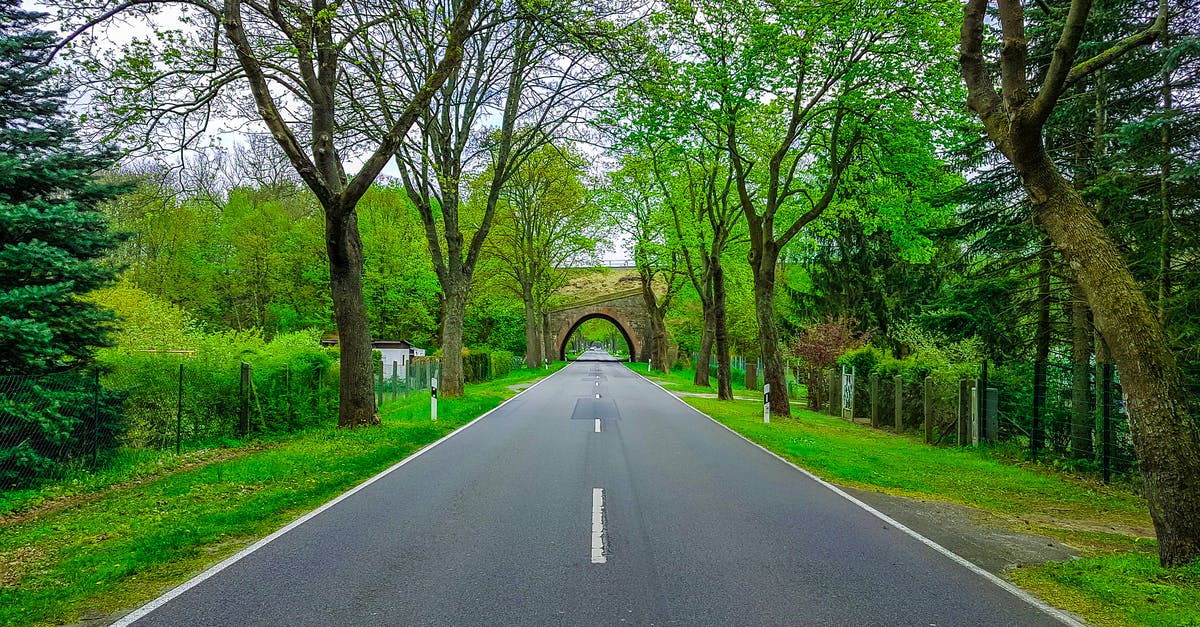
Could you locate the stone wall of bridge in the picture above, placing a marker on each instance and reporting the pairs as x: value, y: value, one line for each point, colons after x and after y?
x: 626, y: 310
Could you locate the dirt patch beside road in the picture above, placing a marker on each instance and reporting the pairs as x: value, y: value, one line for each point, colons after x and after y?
x: 984, y: 538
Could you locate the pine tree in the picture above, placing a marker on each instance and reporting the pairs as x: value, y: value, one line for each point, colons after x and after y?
x: 51, y: 233
x: 52, y: 237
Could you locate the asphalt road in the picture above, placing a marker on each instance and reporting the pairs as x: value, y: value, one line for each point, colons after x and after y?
x: 503, y: 524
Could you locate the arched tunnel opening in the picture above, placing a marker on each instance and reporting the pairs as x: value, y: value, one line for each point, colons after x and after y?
x: 596, y: 332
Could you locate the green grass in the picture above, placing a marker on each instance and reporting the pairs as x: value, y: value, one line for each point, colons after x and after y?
x: 1117, y: 582
x: 681, y: 381
x: 1119, y: 589
x: 115, y: 549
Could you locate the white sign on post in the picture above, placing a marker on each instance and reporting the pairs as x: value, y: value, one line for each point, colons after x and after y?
x: 766, y: 402
x: 433, y: 398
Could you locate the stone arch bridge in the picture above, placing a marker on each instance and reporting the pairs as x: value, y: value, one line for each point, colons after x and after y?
x: 625, y: 309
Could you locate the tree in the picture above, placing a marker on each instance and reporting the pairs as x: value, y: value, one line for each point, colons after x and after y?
x: 1014, y: 118
x: 633, y: 201
x: 528, y: 67
x: 803, y: 99
x: 52, y: 238
x: 545, y: 221
x: 697, y: 185
x: 299, y: 63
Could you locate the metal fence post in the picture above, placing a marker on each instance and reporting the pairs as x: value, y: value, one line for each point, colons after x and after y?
x: 1106, y: 417
x: 899, y: 394
x: 929, y: 410
x: 244, y: 390
x: 179, y: 414
x: 395, y: 380
x: 287, y: 390
x: 875, y: 400
x: 378, y: 377
x: 964, y: 412
x: 981, y: 399
x: 1039, y: 405
x: 96, y: 419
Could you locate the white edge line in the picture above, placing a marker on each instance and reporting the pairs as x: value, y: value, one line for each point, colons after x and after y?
x: 142, y: 611
x: 1059, y: 614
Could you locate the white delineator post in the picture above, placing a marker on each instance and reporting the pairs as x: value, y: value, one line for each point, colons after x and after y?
x: 433, y: 398
x: 766, y: 402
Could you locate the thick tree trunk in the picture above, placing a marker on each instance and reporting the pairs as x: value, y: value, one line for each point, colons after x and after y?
x: 768, y: 336
x: 533, y: 344
x: 721, y: 335
x: 656, y: 346
x: 706, y: 344
x: 454, y: 306
x: 1163, y: 432
x: 356, y: 406
x: 1081, y: 393
x: 658, y: 343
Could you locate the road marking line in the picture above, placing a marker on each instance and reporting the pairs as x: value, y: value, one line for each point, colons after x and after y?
x: 598, y: 526
x: 597, y: 425
x: 142, y: 611
x: 1062, y: 616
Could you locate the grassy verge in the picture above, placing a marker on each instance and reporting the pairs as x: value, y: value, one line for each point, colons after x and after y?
x: 1117, y: 582
x: 130, y: 542
x: 681, y: 381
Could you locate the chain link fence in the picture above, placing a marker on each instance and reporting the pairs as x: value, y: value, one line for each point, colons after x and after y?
x: 51, y: 424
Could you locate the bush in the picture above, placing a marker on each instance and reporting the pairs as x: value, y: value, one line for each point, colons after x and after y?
x: 293, y: 384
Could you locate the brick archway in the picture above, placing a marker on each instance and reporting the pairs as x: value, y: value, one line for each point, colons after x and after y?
x: 603, y: 313
x: 625, y: 309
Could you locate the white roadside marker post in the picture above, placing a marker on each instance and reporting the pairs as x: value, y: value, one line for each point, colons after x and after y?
x: 766, y: 402
x: 433, y: 399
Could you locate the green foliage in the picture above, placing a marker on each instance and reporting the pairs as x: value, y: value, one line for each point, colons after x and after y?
x: 293, y: 385
x: 145, y: 322
x: 485, y: 365
x: 495, y: 320
x: 253, y: 260
x: 52, y: 238
x: 399, y: 284
x: 926, y: 354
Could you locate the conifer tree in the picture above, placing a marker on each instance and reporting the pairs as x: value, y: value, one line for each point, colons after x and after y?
x: 52, y: 236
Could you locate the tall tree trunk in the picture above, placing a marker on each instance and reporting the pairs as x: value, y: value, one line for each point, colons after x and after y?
x: 768, y: 334
x: 1081, y: 360
x: 1159, y: 419
x: 357, y: 396
x: 656, y: 346
x: 721, y: 335
x: 533, y: 352
x: 454, y: 306
x: 706, y: 343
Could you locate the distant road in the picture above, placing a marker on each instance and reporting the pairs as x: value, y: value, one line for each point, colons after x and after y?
x: 595, y: 498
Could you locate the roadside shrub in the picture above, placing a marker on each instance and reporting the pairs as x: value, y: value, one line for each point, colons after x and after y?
x: 293, y: 384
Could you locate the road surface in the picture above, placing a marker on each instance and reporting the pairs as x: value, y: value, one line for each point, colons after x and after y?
x: 540, y: 514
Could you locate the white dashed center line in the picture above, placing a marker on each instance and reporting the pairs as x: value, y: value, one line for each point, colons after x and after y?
x: 598, y: 526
